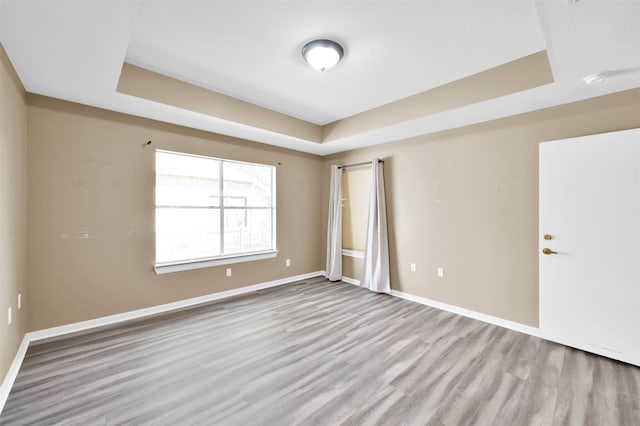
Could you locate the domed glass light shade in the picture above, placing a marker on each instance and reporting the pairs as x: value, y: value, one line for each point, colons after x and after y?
x: 322, y: 54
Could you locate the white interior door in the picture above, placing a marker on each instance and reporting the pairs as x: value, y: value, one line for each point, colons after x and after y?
x: 590, y: 206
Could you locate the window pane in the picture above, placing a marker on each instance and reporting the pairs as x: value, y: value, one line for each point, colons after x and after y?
x: 190, y: 199
x: 247, y: 184
x: 183, y: 180
x: 235, y: 201
x: 183, y: 234
x: 247, y: 230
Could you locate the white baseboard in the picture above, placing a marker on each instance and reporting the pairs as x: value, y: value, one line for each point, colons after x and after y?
x: 139, y: 313
x: 350, y: 281
x: 7, y: 384
x: 358, y: 254
x: 516, y: 326
x: 512, y: 325
x: 47, y: 333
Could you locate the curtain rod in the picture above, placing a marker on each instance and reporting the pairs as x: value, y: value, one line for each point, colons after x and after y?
x: 358, y: 164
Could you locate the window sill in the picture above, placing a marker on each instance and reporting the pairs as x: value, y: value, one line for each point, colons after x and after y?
x: 353, y: 253
x: 166, y: 268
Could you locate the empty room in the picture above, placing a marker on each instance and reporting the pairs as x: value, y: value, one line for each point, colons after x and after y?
x: 320, y: 212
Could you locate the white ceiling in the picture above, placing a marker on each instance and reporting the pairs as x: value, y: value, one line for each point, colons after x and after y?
x: 250, y: 50
x: 393, y: 50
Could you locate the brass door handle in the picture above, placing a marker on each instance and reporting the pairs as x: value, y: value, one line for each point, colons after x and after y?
x: 548, y: 251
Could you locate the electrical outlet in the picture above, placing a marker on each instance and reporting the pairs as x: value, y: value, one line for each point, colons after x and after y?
x: 9, y: 316
x: 287, y: 262
x: 413, y: 267
x: 228, y: 272
x: 19, y: 301
x: 440, y: 272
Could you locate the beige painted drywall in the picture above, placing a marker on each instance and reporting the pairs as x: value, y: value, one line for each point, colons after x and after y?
x: 467, y: 200
x: 143, y: 83
x: 352, y: 267
x: 356, y: 188
x: 515, y: 76
x: 89, y: 175
x: 13, y: 211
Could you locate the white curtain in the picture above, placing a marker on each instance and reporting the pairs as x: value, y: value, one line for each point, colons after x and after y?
x: 375, y: 276
x: 334, y: 228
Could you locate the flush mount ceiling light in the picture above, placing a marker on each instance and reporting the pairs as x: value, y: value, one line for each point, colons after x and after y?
x: 596, y: 78
x: 322, y: 54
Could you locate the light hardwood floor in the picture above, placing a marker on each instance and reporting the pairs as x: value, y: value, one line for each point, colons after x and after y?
x: 318, y: 353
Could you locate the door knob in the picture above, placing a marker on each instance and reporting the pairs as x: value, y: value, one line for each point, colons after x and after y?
x: 548, y: 251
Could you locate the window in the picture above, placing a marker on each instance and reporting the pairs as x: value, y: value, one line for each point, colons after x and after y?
x: 209, y: 209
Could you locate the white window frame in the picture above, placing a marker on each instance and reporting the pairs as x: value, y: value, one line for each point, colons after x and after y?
x: 188, y: 264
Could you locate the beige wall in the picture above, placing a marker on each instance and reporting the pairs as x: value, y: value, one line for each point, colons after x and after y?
x: 467, y: 200
x: 88, y: 173
x: 146, y: 84
x: 515, y: 76
x: 356, y: 188
x: 13, y: 210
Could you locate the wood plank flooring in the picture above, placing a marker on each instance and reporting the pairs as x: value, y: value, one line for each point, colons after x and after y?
x: 317, y: 353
